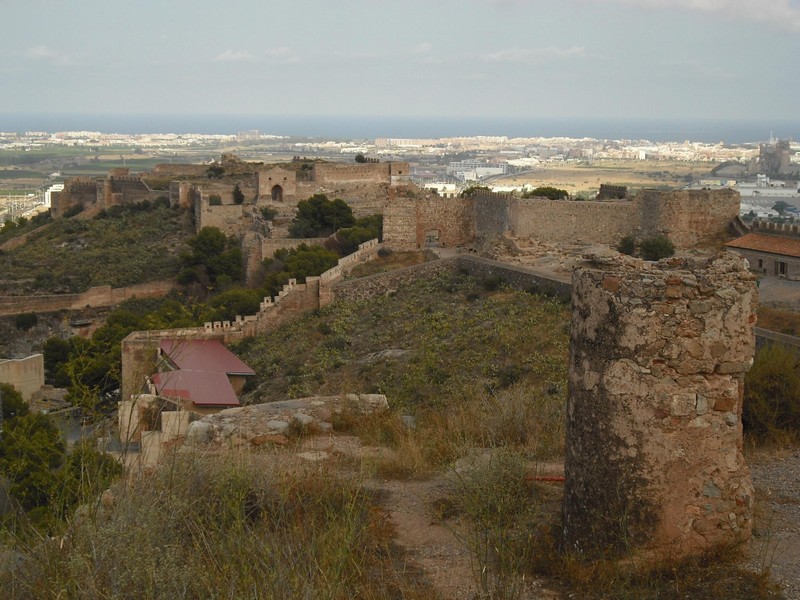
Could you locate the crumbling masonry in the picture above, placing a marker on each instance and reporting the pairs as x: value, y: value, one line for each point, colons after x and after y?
x: 658, y: 354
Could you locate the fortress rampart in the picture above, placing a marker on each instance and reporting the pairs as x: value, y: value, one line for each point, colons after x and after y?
x: 98, y: 296
x: 690, y: 218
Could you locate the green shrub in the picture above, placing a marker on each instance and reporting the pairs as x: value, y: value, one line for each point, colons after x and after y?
x: 547, y: 192
x: 238, y: 194
x: 73, y: 210
x: 656, y: 248
x: 25, y: 321
x: 268, y: 213
x: 214, y: 200
x: 771, y: 408
x: 627, y: 245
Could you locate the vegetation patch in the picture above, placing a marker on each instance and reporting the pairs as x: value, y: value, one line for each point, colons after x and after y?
x: 73, y: 255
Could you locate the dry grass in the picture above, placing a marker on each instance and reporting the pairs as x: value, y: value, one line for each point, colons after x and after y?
x: 583, y: 179
x: 232, y: 527
x: 780, y: 320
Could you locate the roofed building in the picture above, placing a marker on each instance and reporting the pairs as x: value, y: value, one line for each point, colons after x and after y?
x: 771, y: 250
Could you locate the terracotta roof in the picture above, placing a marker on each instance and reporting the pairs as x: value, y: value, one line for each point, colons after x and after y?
x: 201, y: 370
x: 203, y: 355
x: 772, y: 244
x: 204, y: 388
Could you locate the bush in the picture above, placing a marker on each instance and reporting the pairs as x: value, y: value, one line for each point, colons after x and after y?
x: 319, y: 216
x: 627, y: 245
x: 771, y: 408
x: 656, y: 248
x: 25, y: 321
x: 547, y: 192
x: 73, y: 210
x: 214, y: 200
x: 268, y: 213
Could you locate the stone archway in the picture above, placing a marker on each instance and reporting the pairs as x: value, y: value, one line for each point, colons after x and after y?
x: 277, y: 193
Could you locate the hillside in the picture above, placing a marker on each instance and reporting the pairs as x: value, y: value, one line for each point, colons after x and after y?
x: 431, y: 343
x: 119, y: 248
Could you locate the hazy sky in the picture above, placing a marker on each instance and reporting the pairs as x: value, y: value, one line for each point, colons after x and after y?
x: 516, y: 58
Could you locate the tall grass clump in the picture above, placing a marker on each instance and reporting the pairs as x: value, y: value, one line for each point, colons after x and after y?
x: 498, y: 511
x: 216, y: 528
x: 771, y: 411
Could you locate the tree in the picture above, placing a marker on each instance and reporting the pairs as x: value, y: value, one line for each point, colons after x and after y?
x: 238, y: 194
x: 13, y: 403
x: 318, y: 217
x: 296, y: 263
x: 781, y: 206
x: 346, y: 240
x: 31, y: 450
x: 360, y: 158
x: 214, y: 259
x: 24, y: 321
x: 547, y: 192
x: 471, y: 190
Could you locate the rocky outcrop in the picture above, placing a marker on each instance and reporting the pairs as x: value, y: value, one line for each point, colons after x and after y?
x: 274, y: 423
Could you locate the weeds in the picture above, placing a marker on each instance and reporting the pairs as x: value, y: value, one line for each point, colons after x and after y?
x: 218, y: 528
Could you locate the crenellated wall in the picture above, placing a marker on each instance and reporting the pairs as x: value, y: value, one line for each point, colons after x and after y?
x: 140, y: 348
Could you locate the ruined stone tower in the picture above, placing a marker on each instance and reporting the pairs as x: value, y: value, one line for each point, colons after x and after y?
x: 654, y: 463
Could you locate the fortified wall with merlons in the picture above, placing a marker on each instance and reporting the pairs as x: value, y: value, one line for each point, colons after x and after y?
x: 690, y: 218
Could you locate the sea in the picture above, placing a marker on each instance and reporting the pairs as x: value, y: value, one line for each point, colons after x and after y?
x: 728, y: 131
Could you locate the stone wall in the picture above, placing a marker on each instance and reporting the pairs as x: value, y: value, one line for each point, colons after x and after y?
x: 103, y: 295
x: 330, y: 173
x: 431, y: 221
x: 515, y: 276
x: 228, y: 218
x: 690, y: 218
x: 572, y: 221
x: 658, y: 353
x: 400, y: 224
x: 25, y: 374
x: 772, y: 265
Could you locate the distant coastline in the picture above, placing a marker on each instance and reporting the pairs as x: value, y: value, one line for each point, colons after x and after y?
x: 354, y: 127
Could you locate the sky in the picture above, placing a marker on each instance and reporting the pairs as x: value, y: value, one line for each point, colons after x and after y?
x: 726, y: 59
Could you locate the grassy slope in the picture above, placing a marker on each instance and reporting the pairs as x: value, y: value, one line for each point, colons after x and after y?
x: 74, y: 255
x: 434, y: 342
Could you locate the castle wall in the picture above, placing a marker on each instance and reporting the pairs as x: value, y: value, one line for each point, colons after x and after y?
x: 658, y: 353
x: 572, y: 221
x: 330, y: 173
x: 400, y: 224
x: 103, y: 295
x: 284, y: 178
x: 225, y: 217
x: 410, y: 224
x: 688, y: 217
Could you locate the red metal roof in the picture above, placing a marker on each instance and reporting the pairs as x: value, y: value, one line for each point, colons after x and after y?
x: 772, y: 244
x: 203, y: 355
x: 204, y: 388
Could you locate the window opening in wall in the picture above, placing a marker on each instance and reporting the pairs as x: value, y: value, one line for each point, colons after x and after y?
x: 760, y: 263
x: 780, y: 268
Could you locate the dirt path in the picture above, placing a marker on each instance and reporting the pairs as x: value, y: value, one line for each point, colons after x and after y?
x: 434, y: 549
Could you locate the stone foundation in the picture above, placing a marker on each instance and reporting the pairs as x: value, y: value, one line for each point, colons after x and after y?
x: 654, y: 464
